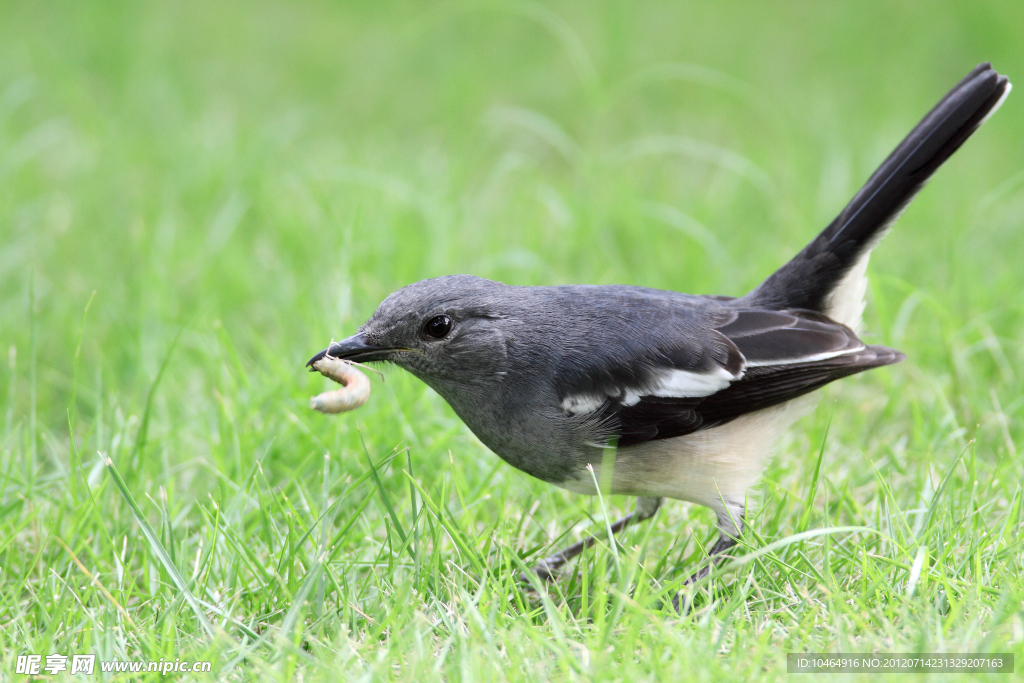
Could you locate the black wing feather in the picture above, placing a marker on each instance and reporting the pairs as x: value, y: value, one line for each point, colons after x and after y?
x: 765, y: 337
x: 773, y: 343
x: 768, y: 386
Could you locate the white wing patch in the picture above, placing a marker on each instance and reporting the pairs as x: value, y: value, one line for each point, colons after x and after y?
x: 581, y: 404
x: 683, y: 384
x: 671, y: 383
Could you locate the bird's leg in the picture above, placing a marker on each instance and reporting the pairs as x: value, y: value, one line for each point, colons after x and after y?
x: 645, y: 509
x: 730, y: 526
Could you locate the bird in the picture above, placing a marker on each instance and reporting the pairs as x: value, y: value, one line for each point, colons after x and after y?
x: 659, y: 394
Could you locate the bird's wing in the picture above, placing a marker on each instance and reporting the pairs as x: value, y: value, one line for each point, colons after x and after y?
x: 758, y: 358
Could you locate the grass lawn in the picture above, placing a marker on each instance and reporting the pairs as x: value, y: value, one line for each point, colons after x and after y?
x: 196, y: 197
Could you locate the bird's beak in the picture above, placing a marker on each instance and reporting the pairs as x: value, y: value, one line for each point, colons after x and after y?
x: 355, y: 348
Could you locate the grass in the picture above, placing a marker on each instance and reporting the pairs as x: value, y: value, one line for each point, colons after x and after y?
x: 196, y: 197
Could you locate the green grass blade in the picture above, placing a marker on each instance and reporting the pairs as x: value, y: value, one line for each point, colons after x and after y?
x: 143, y: 433
x: 383, y: 493
x: 813, y: 491
x: 160, y: 552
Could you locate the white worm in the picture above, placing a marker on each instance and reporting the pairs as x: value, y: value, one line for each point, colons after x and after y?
x: 355, y: 386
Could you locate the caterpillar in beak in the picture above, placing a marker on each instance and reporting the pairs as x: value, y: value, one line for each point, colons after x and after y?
x: 355, y: 387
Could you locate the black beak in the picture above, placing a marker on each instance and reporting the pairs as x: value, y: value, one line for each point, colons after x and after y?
x: 355, y: 348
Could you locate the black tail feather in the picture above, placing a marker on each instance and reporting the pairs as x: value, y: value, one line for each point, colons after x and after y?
x: 810, y: 277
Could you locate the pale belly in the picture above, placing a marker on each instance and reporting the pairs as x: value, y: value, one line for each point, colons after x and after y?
x: 705, y: 467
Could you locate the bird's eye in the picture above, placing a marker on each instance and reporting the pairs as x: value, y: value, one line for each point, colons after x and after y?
x: 438, y: 326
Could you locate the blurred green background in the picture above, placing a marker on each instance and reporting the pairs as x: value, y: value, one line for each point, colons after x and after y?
x: 259, y: 175
x: 283, y: 168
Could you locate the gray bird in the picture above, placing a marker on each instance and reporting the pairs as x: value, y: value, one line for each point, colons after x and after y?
x: 686, y: 393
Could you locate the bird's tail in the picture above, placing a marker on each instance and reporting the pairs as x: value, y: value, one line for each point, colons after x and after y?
x: 828, y: 275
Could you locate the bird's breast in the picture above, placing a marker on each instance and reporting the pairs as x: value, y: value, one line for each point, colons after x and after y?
x: 528, y: 432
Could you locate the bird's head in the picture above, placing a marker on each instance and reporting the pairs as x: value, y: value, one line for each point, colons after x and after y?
x: 447, y: 331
